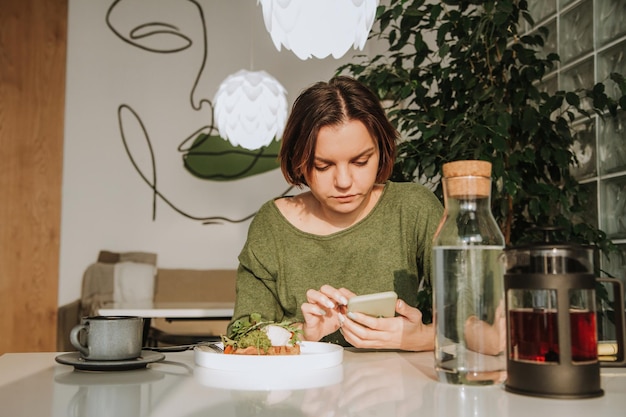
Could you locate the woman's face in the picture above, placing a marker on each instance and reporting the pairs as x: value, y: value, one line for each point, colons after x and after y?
x: 345, y: 167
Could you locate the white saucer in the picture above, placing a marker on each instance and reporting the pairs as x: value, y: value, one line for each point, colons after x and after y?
x: 74, y: 359
x: 134, y: 377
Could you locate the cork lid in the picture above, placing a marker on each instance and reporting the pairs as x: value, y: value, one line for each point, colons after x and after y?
x: 473, y: 168
x: 467, y: 179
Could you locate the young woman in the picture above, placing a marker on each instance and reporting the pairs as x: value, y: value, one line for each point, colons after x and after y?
x: 352, y: 232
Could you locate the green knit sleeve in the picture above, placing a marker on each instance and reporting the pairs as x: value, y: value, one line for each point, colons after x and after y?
x: 256, y: 274
x: 426, y: 212
x: 431, y: 212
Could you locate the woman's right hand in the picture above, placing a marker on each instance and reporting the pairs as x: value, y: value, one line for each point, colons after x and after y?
x: 323, y: 311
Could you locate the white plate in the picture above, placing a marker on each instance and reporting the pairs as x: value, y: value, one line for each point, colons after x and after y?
x: 282, y: 379
x: 313, y: 355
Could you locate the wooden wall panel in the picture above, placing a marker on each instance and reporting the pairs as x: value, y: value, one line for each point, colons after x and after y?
x: 33, y: 37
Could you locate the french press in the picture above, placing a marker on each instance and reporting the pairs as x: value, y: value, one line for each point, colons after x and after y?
x: 552, y: 344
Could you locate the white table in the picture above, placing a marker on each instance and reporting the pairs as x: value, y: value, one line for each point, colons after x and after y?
x: 170, y: 310
x: 376, y: 384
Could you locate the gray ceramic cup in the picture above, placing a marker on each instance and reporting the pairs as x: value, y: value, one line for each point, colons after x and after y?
x: 108, y: 338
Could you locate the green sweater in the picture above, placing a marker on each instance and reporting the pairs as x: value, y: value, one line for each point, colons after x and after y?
x: 390, y: 249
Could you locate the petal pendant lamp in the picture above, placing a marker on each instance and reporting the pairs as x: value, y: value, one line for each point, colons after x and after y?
x: 319, y: 27
x: 250, y: 109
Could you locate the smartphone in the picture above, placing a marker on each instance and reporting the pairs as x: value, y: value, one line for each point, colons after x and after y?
x: 381, y: 304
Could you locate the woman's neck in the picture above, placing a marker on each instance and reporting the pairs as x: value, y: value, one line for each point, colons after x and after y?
x: 308, y: 214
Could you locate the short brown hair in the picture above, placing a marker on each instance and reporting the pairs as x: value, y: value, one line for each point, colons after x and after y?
x: 332, y: 103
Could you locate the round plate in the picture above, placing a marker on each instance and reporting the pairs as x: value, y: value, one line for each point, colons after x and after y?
x: 74, y: 359
x: 314, y: 355
x: 277, y: 380
x: 317, y: 365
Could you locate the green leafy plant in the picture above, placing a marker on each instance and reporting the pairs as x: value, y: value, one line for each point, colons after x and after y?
x: 477, y: 93
x: 249, y: 331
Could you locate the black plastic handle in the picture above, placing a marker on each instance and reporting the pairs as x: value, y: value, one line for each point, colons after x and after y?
x: 620, y: 330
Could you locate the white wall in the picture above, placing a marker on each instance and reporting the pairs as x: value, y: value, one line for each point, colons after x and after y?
x: 106, y: 204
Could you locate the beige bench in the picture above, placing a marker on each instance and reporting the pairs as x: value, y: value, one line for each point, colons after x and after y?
x: 192, y: 285
x: 170, y: 285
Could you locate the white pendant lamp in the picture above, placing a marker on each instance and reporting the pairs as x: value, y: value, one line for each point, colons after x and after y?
x: 250, y: 109
x: 319, y: 27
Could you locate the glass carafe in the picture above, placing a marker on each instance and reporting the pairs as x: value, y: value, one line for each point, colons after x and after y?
x: 468, y: 289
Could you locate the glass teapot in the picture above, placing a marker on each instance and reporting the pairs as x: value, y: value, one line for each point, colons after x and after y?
x: 552, y: 339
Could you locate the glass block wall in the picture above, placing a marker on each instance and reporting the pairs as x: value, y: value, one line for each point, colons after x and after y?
x: 590, y: 38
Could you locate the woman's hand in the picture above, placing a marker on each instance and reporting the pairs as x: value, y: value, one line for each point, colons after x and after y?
x: 322, y: 311
x: 482, y: 337
x: 406, y: 331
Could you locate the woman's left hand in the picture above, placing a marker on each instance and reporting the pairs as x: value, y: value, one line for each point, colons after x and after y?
x: 406, y: 331
x: 482, y: 337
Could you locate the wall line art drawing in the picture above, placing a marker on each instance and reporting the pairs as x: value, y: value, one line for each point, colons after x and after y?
x: 204, y: 154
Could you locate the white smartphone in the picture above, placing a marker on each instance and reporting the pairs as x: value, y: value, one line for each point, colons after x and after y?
x: 381, y: 304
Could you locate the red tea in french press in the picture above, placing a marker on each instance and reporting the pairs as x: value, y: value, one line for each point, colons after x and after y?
x: 552, y: 344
